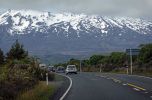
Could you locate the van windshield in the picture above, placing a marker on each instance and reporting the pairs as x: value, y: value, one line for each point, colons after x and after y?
x: 71, y: 66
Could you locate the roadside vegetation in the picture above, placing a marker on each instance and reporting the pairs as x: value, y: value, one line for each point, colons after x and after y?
x: 41, y: 91
x: 20, y: 73
x: 117, y: 62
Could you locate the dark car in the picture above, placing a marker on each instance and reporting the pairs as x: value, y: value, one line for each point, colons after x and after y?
x: 51, y: 68
x: 60, y: 69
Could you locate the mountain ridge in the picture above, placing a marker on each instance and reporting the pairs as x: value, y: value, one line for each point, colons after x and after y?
x: 54, y: 35
x: 24, y: 21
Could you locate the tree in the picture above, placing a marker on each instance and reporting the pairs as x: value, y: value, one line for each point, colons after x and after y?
x: 17, y: 52
x: 85, y: 63
x: 1, y: 57
x: 145, y: 55
x: 74, y: 62
x: 94, y: 60
x: 117, y: 58
x: 112, y: 61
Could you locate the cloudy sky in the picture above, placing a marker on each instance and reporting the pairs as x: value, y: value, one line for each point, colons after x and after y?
x: 135, y: 8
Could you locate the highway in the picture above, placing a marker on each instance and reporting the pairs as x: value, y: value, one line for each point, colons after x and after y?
x: 101, y: 86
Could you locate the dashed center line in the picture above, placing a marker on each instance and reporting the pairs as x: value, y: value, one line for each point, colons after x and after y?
x: 129, y: 84
x: 108, y: 78
x: 116, y: 80
x: 132, y: 85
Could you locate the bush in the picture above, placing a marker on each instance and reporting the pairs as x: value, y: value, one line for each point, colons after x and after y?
x: 19, y: 73
x: 13, y: 81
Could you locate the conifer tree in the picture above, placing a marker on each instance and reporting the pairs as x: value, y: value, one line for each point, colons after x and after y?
x: 1, y: 57
x: 17, y: 52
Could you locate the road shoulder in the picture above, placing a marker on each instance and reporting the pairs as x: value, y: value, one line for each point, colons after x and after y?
x: 63, y: 83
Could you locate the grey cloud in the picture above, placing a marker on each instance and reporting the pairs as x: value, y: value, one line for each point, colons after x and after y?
x: 102, y: 7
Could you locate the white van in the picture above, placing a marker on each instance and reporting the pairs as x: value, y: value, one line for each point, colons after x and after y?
x: 71, y: 69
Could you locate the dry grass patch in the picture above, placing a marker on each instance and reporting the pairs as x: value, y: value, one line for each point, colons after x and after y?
x: 39, y: 92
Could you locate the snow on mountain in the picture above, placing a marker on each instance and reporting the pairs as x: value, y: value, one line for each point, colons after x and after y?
x: 66, y: 34
x: 23, y: 21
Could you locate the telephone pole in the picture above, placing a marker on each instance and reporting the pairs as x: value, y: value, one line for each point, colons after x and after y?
x: 131, y: 70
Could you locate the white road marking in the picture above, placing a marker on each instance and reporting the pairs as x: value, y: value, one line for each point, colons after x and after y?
x: 136, y: 89
x: 124, y: 84
x: 146, y: 92
x: 103, y: 76
x: 67, y: 91
x: 116, y: 80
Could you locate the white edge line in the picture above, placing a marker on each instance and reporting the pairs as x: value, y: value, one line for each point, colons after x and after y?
x: 67, y: 91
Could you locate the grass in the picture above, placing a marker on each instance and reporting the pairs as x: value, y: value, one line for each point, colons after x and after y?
x: 58, y: 77
x: 40, y: 92
x: 3, y: 73
x: 119, y: 72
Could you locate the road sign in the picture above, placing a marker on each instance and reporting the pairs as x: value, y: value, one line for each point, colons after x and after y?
x: 133, y: 51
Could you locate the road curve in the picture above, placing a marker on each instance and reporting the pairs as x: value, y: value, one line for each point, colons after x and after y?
x: 95, y: 86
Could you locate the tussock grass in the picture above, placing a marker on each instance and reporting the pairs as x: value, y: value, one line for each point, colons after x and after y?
x: 40, y: 92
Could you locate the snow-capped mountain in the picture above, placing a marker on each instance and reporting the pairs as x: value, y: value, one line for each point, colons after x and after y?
x: 25, y: 21
x: 48, y: 33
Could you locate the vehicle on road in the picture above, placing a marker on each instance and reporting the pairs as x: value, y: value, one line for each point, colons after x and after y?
x: 60, y: 69
x: 71, y: 69
x: 51, y: 68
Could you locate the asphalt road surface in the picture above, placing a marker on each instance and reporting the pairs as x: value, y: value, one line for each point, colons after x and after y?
x: 97, y: 86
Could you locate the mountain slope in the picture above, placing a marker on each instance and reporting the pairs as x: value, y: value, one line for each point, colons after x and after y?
x: 45, y: 33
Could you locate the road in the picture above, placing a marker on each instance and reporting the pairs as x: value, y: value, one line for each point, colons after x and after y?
x: 97, y: 86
